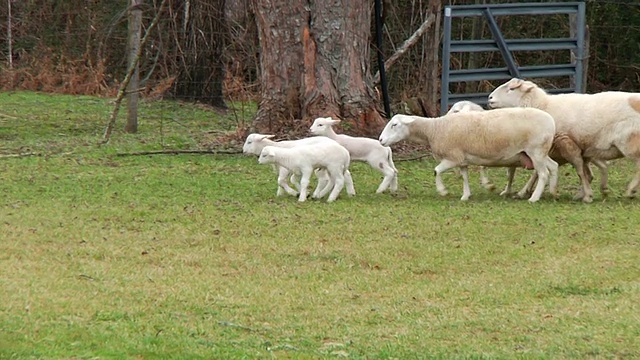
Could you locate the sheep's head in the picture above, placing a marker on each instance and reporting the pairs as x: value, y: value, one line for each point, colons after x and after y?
x: 510, y: 93
x: 252, y: 145
x: 322, y: 126
x: 464, y: 106
x: 396, y: 130
x: 267, y: 155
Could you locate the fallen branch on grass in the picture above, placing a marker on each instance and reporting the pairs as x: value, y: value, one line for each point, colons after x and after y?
x: 175, y: 152
x: 18, y: 155
x: 412, y: 158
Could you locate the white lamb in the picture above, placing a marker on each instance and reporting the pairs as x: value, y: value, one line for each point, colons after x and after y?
x: 303, y: 159
x: 605, y: 125
x: 362, y: 149
x: 498, y: 138
x: 256, y: 142
x: 465, y: 106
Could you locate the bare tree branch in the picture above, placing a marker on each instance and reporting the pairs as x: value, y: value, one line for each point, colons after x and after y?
x: 132, y: 67
x: 175, y: 152
x: 406, y: 45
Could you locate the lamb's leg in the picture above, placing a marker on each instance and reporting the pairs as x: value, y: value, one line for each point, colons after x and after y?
x: 553, y: 166
x: 544, y: 166
x: 466, y: 190
x: 484, y: 179
x: 389, y: 176
x: 604, y: 176
x: 348, y: 180
x: 442, y: 167
x: 584, y: 173
x: 511, y: 172
x: 304, y: 184
x: 283, y: 182
x: 337, y: 175
x: 324, y: 184
x: 394, y: 182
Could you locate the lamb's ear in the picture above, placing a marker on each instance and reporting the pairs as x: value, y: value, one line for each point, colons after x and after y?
x: 515, y: 83
x: 334, y: 121
x: 267, y: 137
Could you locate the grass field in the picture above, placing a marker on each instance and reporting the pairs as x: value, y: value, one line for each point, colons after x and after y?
x: 193, y: 256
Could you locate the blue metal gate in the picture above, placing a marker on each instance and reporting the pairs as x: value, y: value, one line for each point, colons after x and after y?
x: 506, y: 46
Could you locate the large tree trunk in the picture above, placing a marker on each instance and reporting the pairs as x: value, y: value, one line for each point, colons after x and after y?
x: 315, y: 62
x: 202, y: 44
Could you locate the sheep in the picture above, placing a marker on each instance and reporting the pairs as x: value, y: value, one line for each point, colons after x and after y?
x: 465, y: 106
x: 362, y: 149
x: 605, y: 126
x: 303, y: 159
x: 564, y: 150
x: 256, y: 142
x: 500, y: 138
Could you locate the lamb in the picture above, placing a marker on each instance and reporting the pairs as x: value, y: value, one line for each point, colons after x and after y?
x: 256, y: 142
x: 564, y: 150
x: 605, y: 126
x: 488, y: 138
x: 465, y: 106
x: 362, y: 149
x: 303, y: 159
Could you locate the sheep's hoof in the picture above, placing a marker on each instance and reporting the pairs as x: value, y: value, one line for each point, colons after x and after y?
x: 443, y: 192
x: 490, y: 187
x: 464, y: 198
x: 587, y: 199
x: 605, y: 192
x: 505, y: 193
x: 630, y: 194
x: 533, y: 201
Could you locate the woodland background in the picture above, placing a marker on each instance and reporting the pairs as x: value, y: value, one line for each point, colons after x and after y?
x: 208, y: 51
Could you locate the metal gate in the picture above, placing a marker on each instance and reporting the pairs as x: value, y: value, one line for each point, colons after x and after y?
x: 506, y: 46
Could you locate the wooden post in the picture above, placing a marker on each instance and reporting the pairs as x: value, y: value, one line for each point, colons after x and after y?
x: 135, y: 29
x: 9, y: 36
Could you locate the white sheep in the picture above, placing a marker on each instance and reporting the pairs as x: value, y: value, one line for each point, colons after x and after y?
x: 605, y: 126
x: 501, y: 138
x: 465, y: 106
x: 303, y: 159
x: 256, y: 142
x: 564, y: 150
x: 362, y: 149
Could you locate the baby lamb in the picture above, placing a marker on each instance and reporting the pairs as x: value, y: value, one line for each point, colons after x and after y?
x: 488, y: 138
x: 256, y: 142
x: 362, y: 149
x: 303, y: 159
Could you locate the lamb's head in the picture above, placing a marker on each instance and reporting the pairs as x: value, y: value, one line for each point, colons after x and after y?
x: 397, y: 129
x: 510, y: 94
x: 322, y: 125
x: 267, y: 155
x: 464, y: 106
x: 254, y: 143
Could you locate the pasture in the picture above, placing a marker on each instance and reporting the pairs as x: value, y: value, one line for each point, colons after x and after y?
x: 193, y: 256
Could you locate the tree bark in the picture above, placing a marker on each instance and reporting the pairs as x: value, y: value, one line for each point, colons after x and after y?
x: 135, y: 29
x: 314, y: 61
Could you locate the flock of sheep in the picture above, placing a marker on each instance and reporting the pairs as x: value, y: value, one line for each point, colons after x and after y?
x: 527, y: 128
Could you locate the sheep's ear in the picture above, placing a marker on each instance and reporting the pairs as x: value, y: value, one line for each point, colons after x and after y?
x: 334, y: 121
x: 405, y: 119
x: 515, y: 83
x: 267, y: 137
x: 527, y: 86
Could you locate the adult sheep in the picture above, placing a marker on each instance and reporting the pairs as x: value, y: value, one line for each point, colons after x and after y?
x: 256, y: 142
x: 605, y: 125
x: 303, y: 159
x: 563, y: 151
x: 497, y: 138
x: 361, y: 149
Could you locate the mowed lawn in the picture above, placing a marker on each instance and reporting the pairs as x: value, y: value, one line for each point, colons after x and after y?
x: 193, y: 256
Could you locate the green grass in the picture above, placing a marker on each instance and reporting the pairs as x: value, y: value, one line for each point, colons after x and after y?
x: 189, y: 256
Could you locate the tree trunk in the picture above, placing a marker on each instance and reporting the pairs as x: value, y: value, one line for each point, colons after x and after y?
x: 314, y: 61
x: 135, y: 29
x: 202, y: 40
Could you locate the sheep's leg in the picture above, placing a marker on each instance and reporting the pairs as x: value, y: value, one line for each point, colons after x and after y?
x: 511, y: 172
x: 553, y: 166
x: 604, y: 175
x: 304, y: 184
x: 466, y: 189
x: 584, y: 173
x: 442, y: 167
x: 283, y: 182
x: 527, y: 189
x: 389, y: 176
x: 337, y: 175
x: 348, y: 180
x: 484, y: 179
x: 394, y: 182
x: 544, y: 166
x: 324, y: 184
x: 633, y: 185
